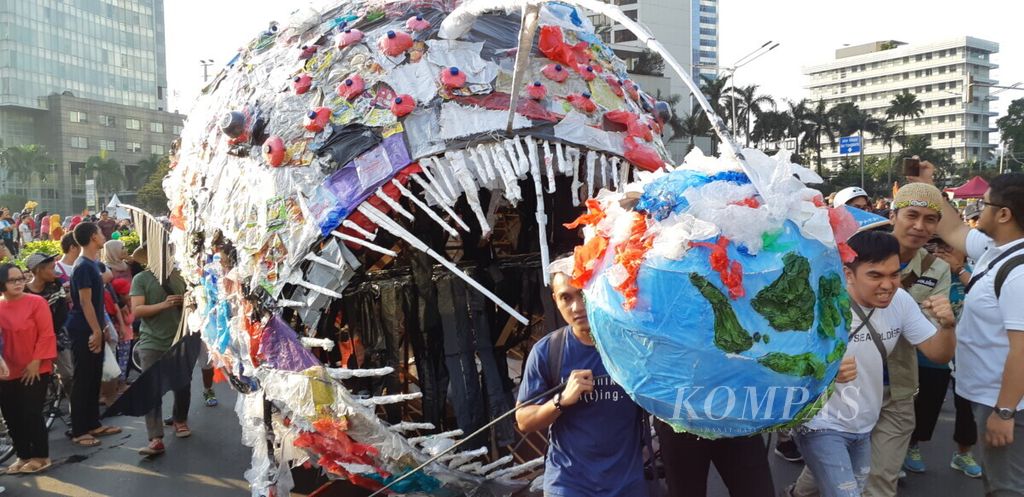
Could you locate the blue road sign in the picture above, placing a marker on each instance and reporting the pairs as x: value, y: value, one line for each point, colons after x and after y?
x: 849, y: 145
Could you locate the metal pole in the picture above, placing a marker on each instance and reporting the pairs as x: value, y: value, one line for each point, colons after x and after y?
x: 967, y: 102
x: 732, y: 99
x: 861, y: 134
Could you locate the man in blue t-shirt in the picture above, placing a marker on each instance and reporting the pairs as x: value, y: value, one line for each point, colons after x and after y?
x: 85, y: 327
x: 595, y: 428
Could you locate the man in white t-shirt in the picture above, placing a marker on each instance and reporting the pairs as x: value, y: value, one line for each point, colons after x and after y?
x: 990, y: 341
x: 836, y: 443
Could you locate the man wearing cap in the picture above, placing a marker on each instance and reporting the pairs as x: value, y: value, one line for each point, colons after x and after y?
x: 990, y: 351
x: 47, y: 285
x: 854, y: 196
x: 595, y: 428
x: 971, y: 215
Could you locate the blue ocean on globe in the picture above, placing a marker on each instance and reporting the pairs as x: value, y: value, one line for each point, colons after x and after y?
x: 682, y: 357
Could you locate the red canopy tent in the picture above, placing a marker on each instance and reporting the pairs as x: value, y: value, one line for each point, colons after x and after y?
x: 974, y: 188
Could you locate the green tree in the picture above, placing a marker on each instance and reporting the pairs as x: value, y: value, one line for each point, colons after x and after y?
x: 888, y: 133
x: 905, y: 105
x: 1011, y: 133
x: 649, y: 63
x: 749, y: 104
x: 691, y: 126
x: 107, y: 173
x: 771, y: 127
x: 151, y: 196
x: 714, y: 90
x: 822, y: 123
x: 799, y: 125
x: 144, y: 170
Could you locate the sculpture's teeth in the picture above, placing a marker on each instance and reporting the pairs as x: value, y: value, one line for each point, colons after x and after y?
x: 320, y: 260
x: 591, y: 166
x: 487, y: 468
x: 363, y: 243
x: 359, y: 229
x: 390, y: 399
x: 517, y: 470
x: 423, y: 207
x: 460, y: 458
x: 395, y: 206
x: 447, y: 209
x: 469, y: 186
x: 521, y: 157
x: 290, y: 303
x: 442, y: 171
x: 541, y: 216
x: 318, y: 289
x: 444, y: 434
x: 345, y: 373
x: 563, y: 163
x: 508, y: 174
x: 619, y: 176
x: 405, y: 426
x: 606, y: 173
x: 317, y: 343
x: 574, y: 163
x: 549, y: 166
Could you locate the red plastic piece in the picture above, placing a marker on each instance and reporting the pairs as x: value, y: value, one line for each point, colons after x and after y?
x: 635, y: 127
x: 582, y: 102
x: 302, y: 83
x: 307, y: 52
x: 632, y: 89
x: 537, y: 90
x: 615, y: 85
x: 273, y: 150
x: 331, y: 442
x: 416, y: 23
x: 349, y: 37
x: 731, y: 273
x: 394, y: 43
x: 402, y: 105
x: 642, y: 156
x: 587, y: 72
x: 630, y: 254
x: 552, y: 44
x: 555, y: 72
x: 586, y: 256
x: 453, y: 78
x: 352, y: 87
x: 844, y: 226
x: 748, y: 202
x: 316, y: 120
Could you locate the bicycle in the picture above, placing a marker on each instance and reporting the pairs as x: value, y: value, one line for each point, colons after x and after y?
x: 53, y: 405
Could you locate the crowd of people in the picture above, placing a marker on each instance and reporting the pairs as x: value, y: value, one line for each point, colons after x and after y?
x: 18, y: 229
x: 936, y: 297
x: 70, y: 317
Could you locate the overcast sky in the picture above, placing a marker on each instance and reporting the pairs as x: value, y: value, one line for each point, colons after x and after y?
x: 809, y: 30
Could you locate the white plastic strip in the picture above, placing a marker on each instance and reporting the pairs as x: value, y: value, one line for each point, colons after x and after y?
x: 542, y: 218
x: 317, y: 343
x: 508, y: 174
x: 450, y: 190
x: 615, y: 173
x: 320, y: 260
x: 319, y: 289
x: 487, y: 468
x: 524, y: 162
x: 563, y: 164
x: 405, y: 426
x: 576, y: 184
x: 549, y: 166
x: 382, y: 220
x: 465, y: 178
x: 427, y: 187
x: 591, y: 164
x: 395, y: 206
x: 345, y: 373
x: 478, y: 166
x: 466, y: 456
x: 290, y: 303
x: 515, y: 470
x: 358, y: 229
x: 390, y: 399
x: 485, y: 156
x: 423, y: 207
x: 444, y: 434
x: 437, y: 187
x: 606, y: 172
x: 363, y: 243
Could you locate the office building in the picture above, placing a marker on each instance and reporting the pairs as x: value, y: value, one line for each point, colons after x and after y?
x: 80, y: 78
x: 689, y: 31
x: 871, y: 75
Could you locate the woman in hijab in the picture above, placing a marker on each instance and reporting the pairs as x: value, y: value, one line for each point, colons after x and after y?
x: 56, y: 231
x: 114, y: 258
x: 44, y: 225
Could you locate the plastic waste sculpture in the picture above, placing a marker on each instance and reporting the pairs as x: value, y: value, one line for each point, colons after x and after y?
x: 349, y: 120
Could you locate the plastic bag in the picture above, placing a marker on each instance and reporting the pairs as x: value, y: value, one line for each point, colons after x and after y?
x: 111, y: 371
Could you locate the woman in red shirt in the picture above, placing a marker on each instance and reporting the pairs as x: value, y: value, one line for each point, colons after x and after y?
x: 29, y: 347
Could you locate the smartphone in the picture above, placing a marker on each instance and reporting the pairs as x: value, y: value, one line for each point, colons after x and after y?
x: 911, y: 167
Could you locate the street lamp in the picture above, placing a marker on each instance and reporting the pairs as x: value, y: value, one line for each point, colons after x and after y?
x: 206, y: 63
x: 731, y: 70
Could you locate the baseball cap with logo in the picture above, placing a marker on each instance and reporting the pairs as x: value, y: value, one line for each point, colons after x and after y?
x: 35, y: 260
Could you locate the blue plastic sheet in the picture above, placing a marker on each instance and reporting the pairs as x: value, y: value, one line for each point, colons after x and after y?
x: 664, y: 196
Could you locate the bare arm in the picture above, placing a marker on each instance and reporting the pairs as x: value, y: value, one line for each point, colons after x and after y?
x: 1012, y: 388
x: 942, y: 345
x: 537, y: 418
x: 141, y: 310
x: 951, y: 228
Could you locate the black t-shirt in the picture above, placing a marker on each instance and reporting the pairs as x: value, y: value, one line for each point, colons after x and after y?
x: 86, y: 274
x: 55, y: 296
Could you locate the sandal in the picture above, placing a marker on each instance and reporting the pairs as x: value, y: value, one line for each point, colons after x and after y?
x: 35, y: 466
x: 86, y: 440
x: 15, y: 467
x: 104, y: 431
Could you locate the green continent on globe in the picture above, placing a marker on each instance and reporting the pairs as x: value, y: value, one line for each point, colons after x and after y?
x: 805, y: 364
x: 788, y: 302
x: 833, y: 305
x: 729, y: 334
x: 837, y: 352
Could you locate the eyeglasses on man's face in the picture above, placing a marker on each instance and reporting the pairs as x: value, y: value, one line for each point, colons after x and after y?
x: 982, y: 204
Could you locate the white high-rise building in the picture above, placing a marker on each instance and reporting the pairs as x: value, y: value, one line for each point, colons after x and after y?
x: 689, y: 31
x: 871, y: 75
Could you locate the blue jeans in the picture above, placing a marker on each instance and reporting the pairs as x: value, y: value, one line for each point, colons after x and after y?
x: 839, y: 461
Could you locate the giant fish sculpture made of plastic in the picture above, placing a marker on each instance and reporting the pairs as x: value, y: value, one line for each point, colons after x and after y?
x: 354, y: 118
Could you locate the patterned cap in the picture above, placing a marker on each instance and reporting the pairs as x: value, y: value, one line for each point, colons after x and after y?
x: 918, y: 195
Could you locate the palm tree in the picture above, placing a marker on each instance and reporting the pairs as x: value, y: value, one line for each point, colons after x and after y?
x: 749, y: 104
x: 888, y: 133
x: 821, y: 122
x: 714, y: 90
x: 905, y: 105
x: 107, y: 173
x: 692, y: 126
x: 144, y: 169
x: 771, y: 126
x: 24, y: 161
x: 799, y: 126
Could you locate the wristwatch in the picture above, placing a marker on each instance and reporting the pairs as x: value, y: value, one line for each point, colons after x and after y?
x: 558, y: 401
x: 1004, y: 413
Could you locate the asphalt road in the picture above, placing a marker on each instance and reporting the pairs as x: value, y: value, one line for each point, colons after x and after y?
x: 212, y: 462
